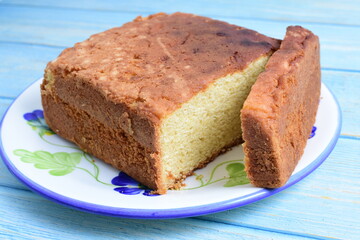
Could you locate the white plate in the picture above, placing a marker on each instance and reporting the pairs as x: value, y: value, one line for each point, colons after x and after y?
x: 58, y: 170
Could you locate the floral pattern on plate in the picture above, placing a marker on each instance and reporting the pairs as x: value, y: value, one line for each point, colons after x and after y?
x: 63, y: 163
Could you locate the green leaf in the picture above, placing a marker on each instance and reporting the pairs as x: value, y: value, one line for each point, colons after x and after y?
x: 68, y: 159
x: 41, y: 131
x: 231, y: 182
x: 237, y: 181
x: 21, y: 152
x: 234, y: 169
x: 49, y: 132
x: 76, y: 157
x: 59, y: 164
x: 61, y: 172
x: 27, y: 159
x: 237, y: 175
x: 61, y: 158
x: 199, y: 177
x: 40, y: 127
x: 33, y: 123
x: 43, y: 155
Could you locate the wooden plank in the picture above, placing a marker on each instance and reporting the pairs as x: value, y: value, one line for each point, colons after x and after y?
x: 26, y: 215
x: 345, y: 86
x: 59, y: 27
x: 21, y: 65
x: 344, y: 12
x: 325, y: 204
x: 56, y: 27
x: 6, y: 178
x: 4, y: 104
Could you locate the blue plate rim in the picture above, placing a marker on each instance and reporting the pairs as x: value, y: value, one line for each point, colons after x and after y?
x: 174, y: 212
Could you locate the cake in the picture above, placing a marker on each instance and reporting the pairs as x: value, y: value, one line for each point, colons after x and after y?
x: 157, y: 97
x: 280, y: 110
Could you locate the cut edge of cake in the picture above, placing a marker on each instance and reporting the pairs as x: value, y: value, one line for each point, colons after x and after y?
x: 280, y: 110
x: 214, y: 113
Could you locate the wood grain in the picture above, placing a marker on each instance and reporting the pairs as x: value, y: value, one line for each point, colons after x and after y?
x: 53, y: 221
x: 345, y: 86
x: 329, y: 12
x: 325, y: 205
x: 22, y: 64
x: 75, y: 25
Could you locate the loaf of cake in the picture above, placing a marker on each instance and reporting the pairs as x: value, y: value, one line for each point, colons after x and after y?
x: 280, y: 110
x: 158, y: 97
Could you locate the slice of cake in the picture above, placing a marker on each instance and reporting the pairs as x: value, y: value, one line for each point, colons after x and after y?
x: 279, y: 113
x: 159, y: 96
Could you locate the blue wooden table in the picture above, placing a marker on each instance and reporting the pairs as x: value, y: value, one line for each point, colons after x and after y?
x: 324, y: 205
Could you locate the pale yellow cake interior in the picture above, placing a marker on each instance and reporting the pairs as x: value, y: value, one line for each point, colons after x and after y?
x: 205, y: 124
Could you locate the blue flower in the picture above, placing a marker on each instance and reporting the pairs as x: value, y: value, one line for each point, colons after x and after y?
x: 123, y: 180
x: 35, y: 115
x: 147, y: 192
x: 37, y: 122
x: 313, y: 130
x: 128, y: 190
x: 129, y: 186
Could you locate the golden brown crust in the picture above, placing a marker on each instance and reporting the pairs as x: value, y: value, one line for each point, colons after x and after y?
x: 109, y: 144
x: 87, y: 98
x: 280, y: 110
x: 127, y: 79
x: 153, y: 65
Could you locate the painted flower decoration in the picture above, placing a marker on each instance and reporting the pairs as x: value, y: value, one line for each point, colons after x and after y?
x: 129, y: 186
x: 313, y: 130
x: 37, y: 122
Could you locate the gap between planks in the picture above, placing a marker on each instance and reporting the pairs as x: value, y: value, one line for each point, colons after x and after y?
x: 153, y: 12
x: 262, y: 228
x: 206, y: 218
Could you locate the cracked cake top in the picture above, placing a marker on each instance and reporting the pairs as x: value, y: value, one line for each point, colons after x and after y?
x: 156, y: 63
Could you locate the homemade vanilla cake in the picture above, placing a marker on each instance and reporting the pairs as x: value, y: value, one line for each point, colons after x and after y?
x: 280, y: 110
x: 158, y: 97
